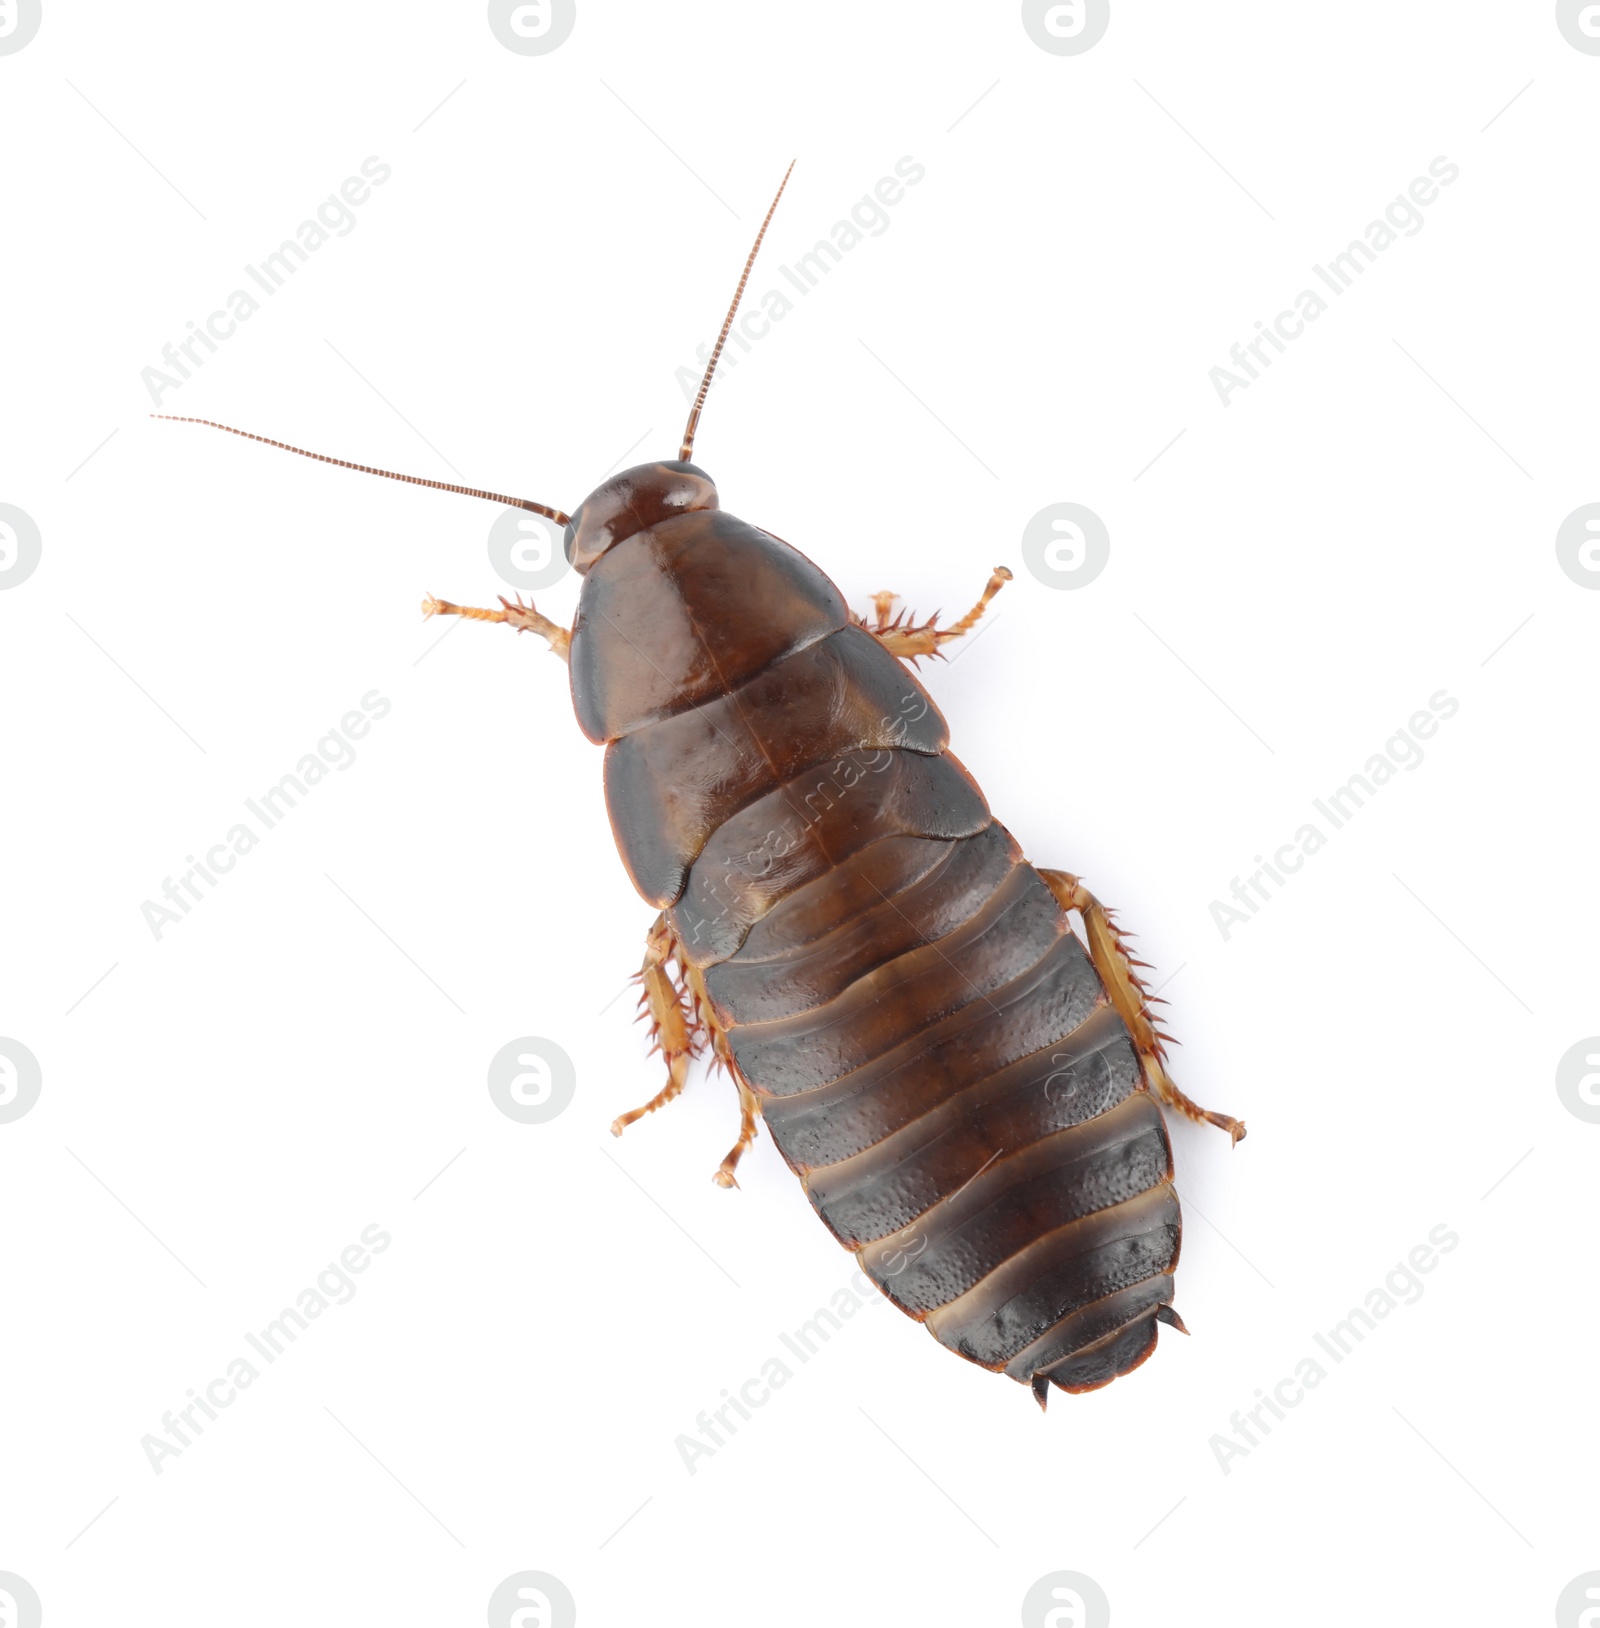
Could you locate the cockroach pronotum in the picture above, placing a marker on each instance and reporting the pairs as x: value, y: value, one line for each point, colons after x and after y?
x: 970, y: 1094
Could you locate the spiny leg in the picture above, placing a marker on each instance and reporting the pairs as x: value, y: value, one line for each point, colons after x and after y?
x: 1116, y: 968
x: 524, y: 618
x: 722, y: 1052
x: 912, y: 640
x: 670, y: 1007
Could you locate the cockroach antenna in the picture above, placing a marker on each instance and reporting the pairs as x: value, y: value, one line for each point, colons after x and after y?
x: 727, y: 322
x: 388, y: 474
x: 557, y: 515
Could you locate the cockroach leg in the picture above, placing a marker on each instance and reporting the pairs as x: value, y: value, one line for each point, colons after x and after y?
x: 912, y: 640
x: 998, y: 578
x: 1162, y: 1084
x: 749, y: 1107
x: 524, y: 618
x: 1108, y: 951
x: 683, y: 1025
x: 722, y: 1052
x: 673, y: 1027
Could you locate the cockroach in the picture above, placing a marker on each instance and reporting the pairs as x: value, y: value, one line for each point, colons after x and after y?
x: 970, y: 1093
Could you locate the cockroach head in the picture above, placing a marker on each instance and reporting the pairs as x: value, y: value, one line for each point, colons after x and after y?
x: 637, y: 498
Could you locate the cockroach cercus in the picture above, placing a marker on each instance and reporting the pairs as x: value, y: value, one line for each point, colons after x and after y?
x: 970, y: 1094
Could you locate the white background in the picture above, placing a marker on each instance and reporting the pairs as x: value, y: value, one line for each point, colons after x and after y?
x: 230, y: 1106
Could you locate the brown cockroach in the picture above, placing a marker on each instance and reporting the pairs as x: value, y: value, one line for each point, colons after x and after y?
x: 970, y: 1094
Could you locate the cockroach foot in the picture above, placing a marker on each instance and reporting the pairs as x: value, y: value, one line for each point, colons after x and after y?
x: 524, y: 618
